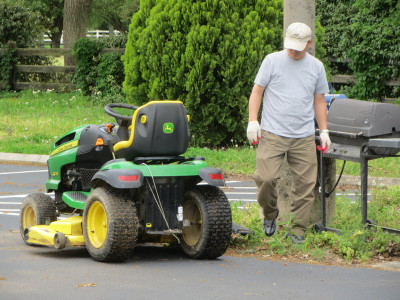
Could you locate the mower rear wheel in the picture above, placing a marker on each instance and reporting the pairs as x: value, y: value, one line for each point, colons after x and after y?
x: 36, y: 209
x: 110, y: 224
x: 207, y: 223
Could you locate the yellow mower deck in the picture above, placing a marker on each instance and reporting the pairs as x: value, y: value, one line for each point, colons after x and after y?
x: 60, y: 234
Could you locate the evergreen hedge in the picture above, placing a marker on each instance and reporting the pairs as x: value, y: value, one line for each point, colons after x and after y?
x: 18, y: 24
x: 100, y: 76
x: 204, y: 53
x: 365, y: 34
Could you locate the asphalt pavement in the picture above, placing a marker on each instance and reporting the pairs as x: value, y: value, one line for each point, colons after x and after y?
x: 159, y: 273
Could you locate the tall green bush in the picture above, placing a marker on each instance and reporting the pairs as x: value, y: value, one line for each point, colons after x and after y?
x: 110, y: 75
x: 18, y: 24
x: 205, y: 53
x: 7, y: 62
x: 19, y: 28
x: 375, y: 53
x: 86, y: 52
x: 99, y: 75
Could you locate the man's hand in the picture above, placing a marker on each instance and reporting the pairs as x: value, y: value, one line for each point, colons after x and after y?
x: 253, y: 132
x: 325, y: 141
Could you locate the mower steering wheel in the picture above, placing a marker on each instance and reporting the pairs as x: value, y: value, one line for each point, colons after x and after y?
x: 109, y: 110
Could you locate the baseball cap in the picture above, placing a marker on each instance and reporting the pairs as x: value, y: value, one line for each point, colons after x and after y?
x: 297, y: 36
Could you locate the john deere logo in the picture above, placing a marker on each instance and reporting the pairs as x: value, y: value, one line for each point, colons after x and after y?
x: 168, y: 128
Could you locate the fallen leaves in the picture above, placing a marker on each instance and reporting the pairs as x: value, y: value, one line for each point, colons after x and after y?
x: 86, y: 285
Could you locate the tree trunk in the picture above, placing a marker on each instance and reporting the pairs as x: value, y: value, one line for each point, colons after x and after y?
x: 56, y: 35
x: 75, y: 23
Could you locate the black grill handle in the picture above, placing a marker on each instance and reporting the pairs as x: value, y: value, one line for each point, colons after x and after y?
x: 348, y: 135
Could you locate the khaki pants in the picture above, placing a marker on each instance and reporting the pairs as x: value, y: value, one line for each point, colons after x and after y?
x: 302, y: 160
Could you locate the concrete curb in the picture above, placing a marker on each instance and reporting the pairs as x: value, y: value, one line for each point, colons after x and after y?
x: 348, y: 180
x: 41, y: 160
x: 28, y: 159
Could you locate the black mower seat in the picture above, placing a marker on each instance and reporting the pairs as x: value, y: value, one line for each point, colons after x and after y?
x: 159, y: 128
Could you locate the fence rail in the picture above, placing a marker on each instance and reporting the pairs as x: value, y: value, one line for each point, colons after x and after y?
x: 52, y: 52
x: 353, y: 79
x: 58, y: 52
x: 91, y: 33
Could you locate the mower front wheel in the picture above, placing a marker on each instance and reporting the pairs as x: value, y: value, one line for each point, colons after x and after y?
x: 36, y: 209
x: 207, y: 223
x: 110, y: 224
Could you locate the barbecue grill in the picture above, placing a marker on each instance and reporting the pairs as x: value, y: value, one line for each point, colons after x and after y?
x: 361, y: 131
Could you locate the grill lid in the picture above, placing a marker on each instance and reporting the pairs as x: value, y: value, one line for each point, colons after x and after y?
x: 369, y: 118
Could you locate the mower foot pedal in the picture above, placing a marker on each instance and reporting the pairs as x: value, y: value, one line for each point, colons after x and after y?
x: 75, y: 199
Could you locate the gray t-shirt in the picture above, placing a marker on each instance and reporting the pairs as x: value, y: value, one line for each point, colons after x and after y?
x: 290, y: 85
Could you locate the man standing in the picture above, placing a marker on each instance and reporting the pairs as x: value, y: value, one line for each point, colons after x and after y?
x: 293, y: 83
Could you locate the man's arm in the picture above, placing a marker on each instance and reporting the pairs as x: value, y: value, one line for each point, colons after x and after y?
x: 320, y: 111
x: 253, y: 128
x: 255, y: 102
x: 321, y: 114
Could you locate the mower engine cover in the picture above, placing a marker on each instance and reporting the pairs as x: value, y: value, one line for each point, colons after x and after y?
x: 87, y: 145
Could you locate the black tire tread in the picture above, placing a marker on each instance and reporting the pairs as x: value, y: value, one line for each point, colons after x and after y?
x: 44, y: 208
x: 122, y: 223
x: 217, y: 224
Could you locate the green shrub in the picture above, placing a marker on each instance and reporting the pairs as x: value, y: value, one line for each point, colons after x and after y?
x: 87, y: 55
x: 115, y: 41
x: 7, y: 62
x: 18, y: 24
x: 363, y: 36
x: 99, y: 75
x: 110, y: 75
x: 204, y: 53
x: 19, y: 28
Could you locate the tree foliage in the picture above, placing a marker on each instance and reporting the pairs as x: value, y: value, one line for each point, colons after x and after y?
x: 117, y: 13
x: 100, y: 76
x: 18, y: 24
x: 365, y: 33
x: 50, y: 15
x: 205, y: 53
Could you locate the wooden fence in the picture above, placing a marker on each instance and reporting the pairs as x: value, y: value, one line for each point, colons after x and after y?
x: 52, y: 52
x: 352, y: 79
x: 90, y: 33
x: 64, y: 85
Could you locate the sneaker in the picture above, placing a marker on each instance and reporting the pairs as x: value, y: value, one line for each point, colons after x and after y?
x: 296, y: 239
x: 269, y: 227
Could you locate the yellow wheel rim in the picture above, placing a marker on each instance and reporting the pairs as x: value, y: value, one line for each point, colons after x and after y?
x: 96, y: 224
x: 28, y: 217
x: 192, y: 233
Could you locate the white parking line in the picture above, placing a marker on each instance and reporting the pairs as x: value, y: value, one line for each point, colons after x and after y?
x: 23, y: 172
x: 13, y: 196
x: 21, y: 196
x: 239, y: 193
x: 243, y: 200
x: 9, y: 214
x: 11, y: 203
x: 241, y: 187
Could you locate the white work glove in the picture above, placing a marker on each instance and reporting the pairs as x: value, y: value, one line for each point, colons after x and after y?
x: 324, y: 140
x: 253, y: 132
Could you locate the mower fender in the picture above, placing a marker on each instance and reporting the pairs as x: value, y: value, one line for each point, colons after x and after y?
x: 212, y: 176
x: 118, y: 178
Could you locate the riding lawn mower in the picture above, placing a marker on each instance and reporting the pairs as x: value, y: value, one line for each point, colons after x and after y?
x: 119, y: 184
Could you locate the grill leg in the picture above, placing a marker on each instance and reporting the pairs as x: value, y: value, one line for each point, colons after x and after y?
x: 322, y: 187
x: 364, y: 185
